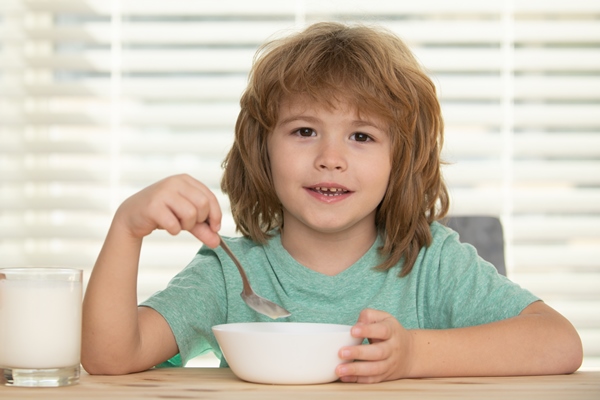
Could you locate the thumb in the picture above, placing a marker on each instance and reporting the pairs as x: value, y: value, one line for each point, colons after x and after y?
x: 206, y: 235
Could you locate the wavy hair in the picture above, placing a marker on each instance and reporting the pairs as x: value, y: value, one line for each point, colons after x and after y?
x: 372, y: 70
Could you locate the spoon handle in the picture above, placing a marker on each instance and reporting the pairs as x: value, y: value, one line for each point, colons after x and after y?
x: 245, y: 282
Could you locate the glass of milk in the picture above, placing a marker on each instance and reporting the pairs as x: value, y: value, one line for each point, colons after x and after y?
x: 40, y: 326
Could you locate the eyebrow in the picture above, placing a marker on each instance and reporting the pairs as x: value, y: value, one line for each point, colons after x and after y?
x: 314, y: 120
x: 298, y: 118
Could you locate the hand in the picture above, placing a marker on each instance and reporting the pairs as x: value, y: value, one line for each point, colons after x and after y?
x: 174, y: 204
x: 387, y: 357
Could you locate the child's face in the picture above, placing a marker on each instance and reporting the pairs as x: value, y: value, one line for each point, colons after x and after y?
x: 330, y: 167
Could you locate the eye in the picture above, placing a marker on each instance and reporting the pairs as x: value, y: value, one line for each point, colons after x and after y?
x: 306, y: 132
x: 361, y: 137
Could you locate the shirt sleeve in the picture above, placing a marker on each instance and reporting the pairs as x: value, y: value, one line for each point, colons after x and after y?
x: 464, y: 290
x: 193, y: 302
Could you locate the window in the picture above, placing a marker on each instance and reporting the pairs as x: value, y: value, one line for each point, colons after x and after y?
x: 101, y: 98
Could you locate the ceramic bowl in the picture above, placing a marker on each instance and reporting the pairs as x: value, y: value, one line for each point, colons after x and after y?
x: 288, y: 353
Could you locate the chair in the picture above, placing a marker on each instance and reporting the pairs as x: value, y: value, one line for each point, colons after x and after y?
x: 485, y: 234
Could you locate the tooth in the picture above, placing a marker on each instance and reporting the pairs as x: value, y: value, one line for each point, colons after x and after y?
x: 330, y: 191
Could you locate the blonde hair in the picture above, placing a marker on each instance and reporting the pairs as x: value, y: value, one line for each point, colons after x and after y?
x: 372, y: 70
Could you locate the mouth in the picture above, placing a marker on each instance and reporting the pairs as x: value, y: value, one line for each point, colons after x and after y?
x: 329, y: 191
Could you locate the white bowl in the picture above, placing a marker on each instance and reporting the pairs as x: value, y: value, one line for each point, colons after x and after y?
x: 289, y: 353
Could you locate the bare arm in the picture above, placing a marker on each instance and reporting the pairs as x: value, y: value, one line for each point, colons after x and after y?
x: 539, y: 341
x: 112, y: 323
x: 118, y: 337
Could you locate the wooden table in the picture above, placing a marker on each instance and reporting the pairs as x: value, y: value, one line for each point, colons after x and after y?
x: 214, y: 383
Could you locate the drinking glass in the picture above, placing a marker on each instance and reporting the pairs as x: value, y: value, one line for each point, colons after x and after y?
x: 40, y: 326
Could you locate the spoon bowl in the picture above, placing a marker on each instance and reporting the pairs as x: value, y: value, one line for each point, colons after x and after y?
x: 253, y: 300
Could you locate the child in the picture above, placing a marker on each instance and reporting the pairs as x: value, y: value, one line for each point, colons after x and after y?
x: 334, y: 180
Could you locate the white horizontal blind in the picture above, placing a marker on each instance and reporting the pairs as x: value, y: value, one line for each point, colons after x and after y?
x: 101, y: 98
x: 556, y: 158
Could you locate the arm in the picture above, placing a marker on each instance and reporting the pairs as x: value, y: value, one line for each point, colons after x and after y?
x: 118, y: 337
x: 539, y: 341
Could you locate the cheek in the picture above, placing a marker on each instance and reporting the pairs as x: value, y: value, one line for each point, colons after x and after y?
x: 284, y: 158
x: 379, y: 177
x: 281, y: 168
x: 276, y: 150
x: 277, y: 165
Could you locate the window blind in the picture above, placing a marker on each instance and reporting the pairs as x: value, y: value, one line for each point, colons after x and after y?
x: 101, y: 98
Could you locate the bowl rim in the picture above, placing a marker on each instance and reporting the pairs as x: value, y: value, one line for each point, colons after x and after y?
x: 237, y: 327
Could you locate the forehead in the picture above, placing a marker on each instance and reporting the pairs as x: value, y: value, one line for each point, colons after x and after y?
x: 302, y: 104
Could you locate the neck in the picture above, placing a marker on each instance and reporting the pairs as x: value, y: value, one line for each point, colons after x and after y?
x: 328, y: 253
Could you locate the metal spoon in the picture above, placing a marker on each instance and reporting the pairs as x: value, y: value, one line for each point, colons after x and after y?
x: 254, y: 301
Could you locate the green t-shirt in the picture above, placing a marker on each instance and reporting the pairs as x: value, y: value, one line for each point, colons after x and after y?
x: 450, y: 286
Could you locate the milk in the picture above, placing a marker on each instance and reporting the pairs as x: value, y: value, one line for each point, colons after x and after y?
x: 40, y: 323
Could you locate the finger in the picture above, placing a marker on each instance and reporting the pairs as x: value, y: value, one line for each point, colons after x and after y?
x: 362, y: 371
x: 167, y: 220
x: 362, y: 379
x: 172, y: 212
x: 204, y: 199
x: 206, y: 235
x: 192, y: 202
x: 193, y: 218
x: 374, y: 332
x: 185, y: 211
x: 370, y: 315
x: 366, y: 352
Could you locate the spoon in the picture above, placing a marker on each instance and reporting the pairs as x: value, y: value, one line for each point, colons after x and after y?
x: 253, y: 300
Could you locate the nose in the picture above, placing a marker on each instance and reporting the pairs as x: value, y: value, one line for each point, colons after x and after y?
x: 331, y: 156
